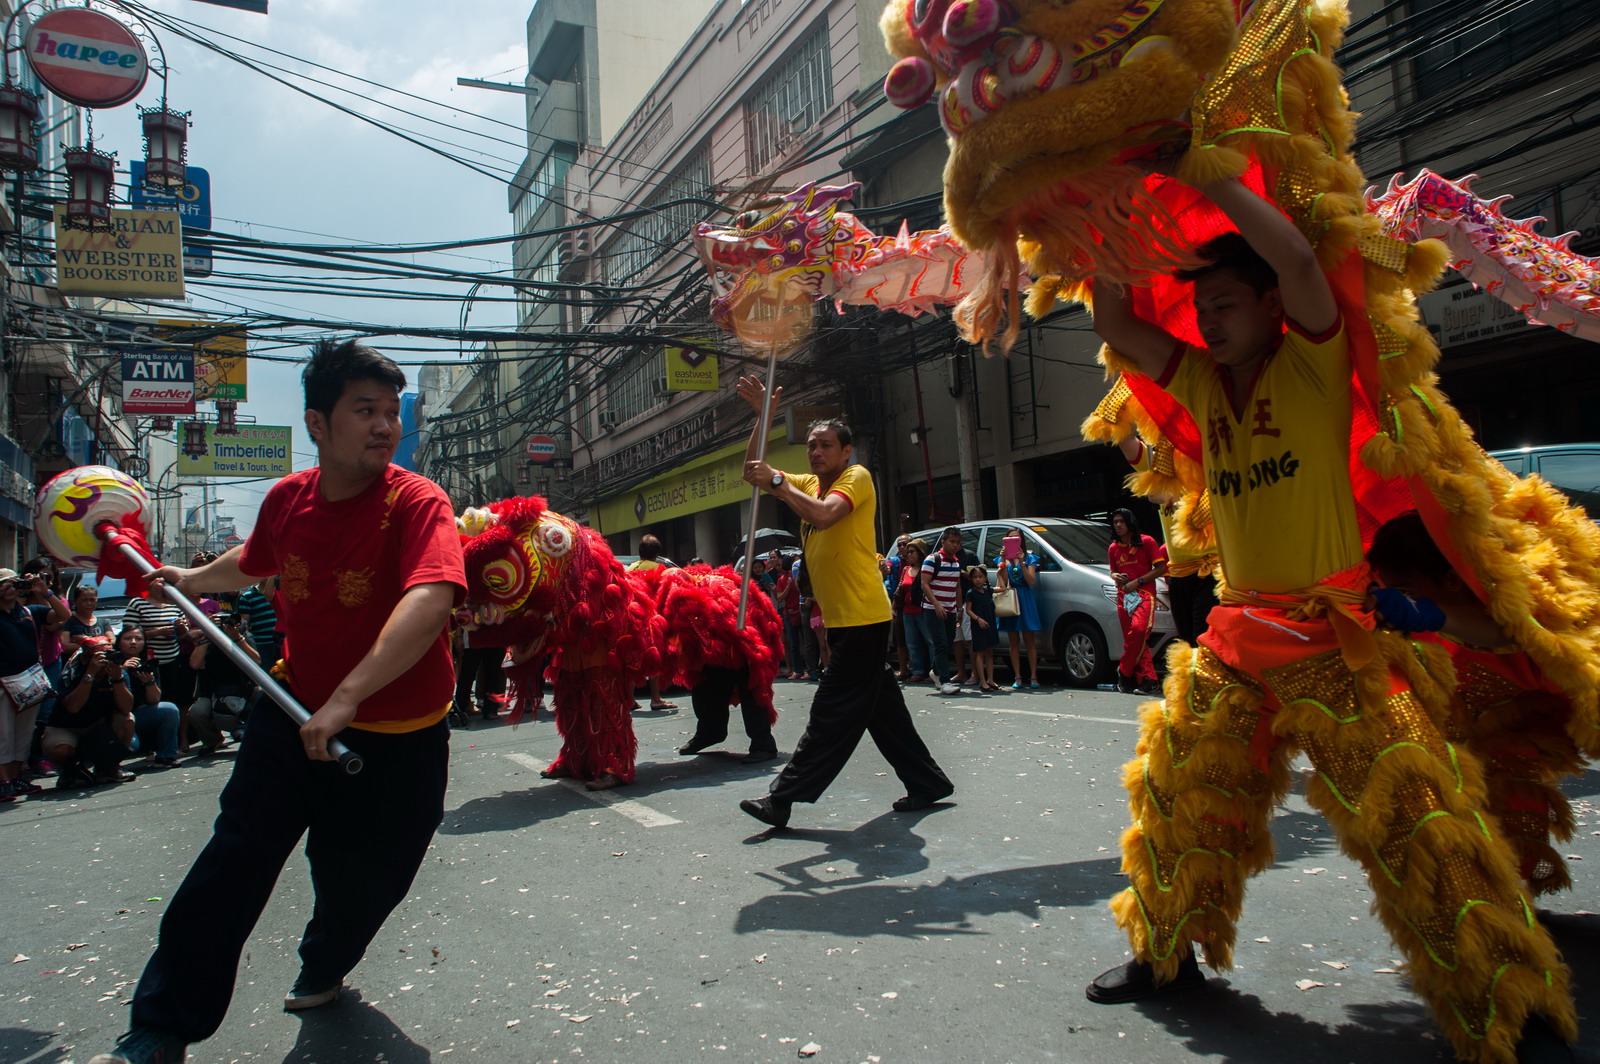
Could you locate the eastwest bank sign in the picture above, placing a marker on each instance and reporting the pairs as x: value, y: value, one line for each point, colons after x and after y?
x: 142, y: 255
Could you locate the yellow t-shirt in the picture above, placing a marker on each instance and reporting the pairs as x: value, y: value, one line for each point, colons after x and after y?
x: 1168, y: 512
x: 1279, y: 476
x: 843, y: 560
x: 643, y: 565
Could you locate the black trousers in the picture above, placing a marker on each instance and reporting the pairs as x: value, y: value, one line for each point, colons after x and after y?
x: 711, y: 697
x: 1192, y: 600
x: 365, y: 838
x: 480, y: 665
x: 858, y: 695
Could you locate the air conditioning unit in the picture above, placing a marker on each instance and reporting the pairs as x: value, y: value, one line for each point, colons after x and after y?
x: 574, y: 246
x: 608, y: 419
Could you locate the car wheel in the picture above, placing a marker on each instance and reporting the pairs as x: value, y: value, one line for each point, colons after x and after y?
x: 1084, y: 655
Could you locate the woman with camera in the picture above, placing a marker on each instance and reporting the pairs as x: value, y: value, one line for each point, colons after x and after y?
x: 223, y: 688
x: 155, y: 723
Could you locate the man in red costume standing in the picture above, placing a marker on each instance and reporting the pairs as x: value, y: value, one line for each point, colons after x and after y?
x: 369, y: 564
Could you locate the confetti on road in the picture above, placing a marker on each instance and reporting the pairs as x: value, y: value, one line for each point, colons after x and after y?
x: 810, y: 1049
x: 19, y: 958
x: 1340, y: 965
x: 1307, y: 984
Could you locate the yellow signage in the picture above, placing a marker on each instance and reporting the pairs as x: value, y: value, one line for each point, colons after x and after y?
x: 142, y: 255
x: 252, y: 451
x: 221, y: 368
x: 714, y: 480
x: 690, y: 371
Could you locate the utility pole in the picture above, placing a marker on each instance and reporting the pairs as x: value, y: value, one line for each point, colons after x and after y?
x: 969, y: 460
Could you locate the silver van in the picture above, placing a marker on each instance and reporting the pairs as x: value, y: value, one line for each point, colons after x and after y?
x: 1077, y: 599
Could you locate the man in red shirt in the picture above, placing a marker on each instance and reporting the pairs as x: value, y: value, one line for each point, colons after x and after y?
x: 369, y: 566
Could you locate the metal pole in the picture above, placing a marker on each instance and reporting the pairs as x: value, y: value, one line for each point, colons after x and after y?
x: 765, y: 418
x: 348, y: 759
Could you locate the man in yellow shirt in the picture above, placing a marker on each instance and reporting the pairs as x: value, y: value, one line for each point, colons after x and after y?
x: 1290, y: 662
x: 858, y: 693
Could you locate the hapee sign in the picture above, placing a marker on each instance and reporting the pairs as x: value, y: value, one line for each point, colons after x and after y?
x: 158, y: 382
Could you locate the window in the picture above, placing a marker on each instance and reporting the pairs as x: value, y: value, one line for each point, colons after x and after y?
x: 644, y: 241
x: 632, y: 390
x: 532, y: 302
x: 1473, y: 49
x: 1576, y: 473
x: 790, y: 100
x: 543, y: 186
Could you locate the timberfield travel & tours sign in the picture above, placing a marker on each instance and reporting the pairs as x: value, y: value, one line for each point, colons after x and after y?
x: 142, y: 255
x: 252, y: 451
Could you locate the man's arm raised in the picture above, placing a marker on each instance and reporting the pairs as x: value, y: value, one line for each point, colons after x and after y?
x: 1307, y: 297
x: 1149, y: 347
x: 818, y: 513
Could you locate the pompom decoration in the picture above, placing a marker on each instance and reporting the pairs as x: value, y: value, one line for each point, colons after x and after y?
x: 969, y: 21
x: 73, y: 503
x: 910, y: 83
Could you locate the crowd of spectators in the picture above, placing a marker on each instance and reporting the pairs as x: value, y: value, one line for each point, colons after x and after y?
x: 87, y: 700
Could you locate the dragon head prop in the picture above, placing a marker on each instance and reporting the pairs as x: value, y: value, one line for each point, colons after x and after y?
x: 1055, y: 112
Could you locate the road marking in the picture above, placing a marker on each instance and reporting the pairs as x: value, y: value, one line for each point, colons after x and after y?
x: 1040, y: 713
x: 638, y: 812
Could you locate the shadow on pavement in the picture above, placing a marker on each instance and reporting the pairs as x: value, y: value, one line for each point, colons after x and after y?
x: 1220, y: 1023
x: 352, y: 1030
x: 21, y: 1044
x: 544, y: 799
x: 908, y: 911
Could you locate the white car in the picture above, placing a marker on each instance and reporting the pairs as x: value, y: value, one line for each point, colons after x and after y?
x: 1076, y: 596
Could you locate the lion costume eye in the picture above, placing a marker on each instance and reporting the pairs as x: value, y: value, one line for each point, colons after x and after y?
x: 507, y: 579
x: 554, y: 539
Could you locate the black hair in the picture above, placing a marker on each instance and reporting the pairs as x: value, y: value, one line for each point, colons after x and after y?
x: 1230, y: 251
x: 947, y: 533
x: 1133, y: 525
x: 1403, y: 546
x: 649, y: 547
x: 840, y: 429
x: 334, y: 364
x: 127, y: 626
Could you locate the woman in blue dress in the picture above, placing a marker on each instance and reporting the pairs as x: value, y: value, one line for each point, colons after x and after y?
x: 1020, y: 570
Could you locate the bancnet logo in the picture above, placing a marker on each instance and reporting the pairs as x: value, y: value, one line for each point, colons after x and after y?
x: 161, y: 393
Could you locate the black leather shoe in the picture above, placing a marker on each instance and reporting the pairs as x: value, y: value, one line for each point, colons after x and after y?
x: 912, y: 802
x: 768, y: 811
x: 755, y: 757
x: 1135, y: 981
x: 697, y: 744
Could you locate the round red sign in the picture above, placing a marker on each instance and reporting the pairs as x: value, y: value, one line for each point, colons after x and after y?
x: 85, y: 57
x: 541, y: 449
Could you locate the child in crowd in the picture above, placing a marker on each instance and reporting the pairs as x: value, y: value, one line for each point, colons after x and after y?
x: 980, y: 611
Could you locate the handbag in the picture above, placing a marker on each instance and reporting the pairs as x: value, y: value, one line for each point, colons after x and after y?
x: 28, y: 687
x: 1131, y: 601
x: 1006, y: 604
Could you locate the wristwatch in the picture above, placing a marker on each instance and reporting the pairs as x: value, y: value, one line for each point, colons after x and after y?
x: 778, y: 481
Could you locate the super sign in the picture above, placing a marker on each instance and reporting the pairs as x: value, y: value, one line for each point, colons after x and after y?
x: 86, y: 57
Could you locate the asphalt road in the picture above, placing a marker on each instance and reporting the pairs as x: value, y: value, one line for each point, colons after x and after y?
x: 657, y: 923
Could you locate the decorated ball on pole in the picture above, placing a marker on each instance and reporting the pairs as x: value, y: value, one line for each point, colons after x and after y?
x: 73, y: 507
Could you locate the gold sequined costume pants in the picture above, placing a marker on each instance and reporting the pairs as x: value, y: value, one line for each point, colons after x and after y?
x: 1213, y: 761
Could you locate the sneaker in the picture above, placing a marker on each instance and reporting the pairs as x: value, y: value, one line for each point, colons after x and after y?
x: 306, y: 994
x: 949, y: 687
x: 44, y: 768
x: 1135, y: 981
x: 74, y: 778
x: 22, y: 788
x: 756, y: 757
x: 143, y: 1046
x: 768, y: 810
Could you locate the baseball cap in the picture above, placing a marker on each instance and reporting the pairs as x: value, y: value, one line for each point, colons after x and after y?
x: 7, y: 574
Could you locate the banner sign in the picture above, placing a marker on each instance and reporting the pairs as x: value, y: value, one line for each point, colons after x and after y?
x: 690, y: 371
x: 707, y: 482
x: 192, y: 202
x: 252, y: 451
x: 86, y: 57
x: 158, y: 382
x: 221, y: 368
x: 142, y: 255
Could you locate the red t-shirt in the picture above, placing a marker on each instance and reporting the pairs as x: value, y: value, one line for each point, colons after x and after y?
x: 342, y: 568
x: 1136, y: 560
